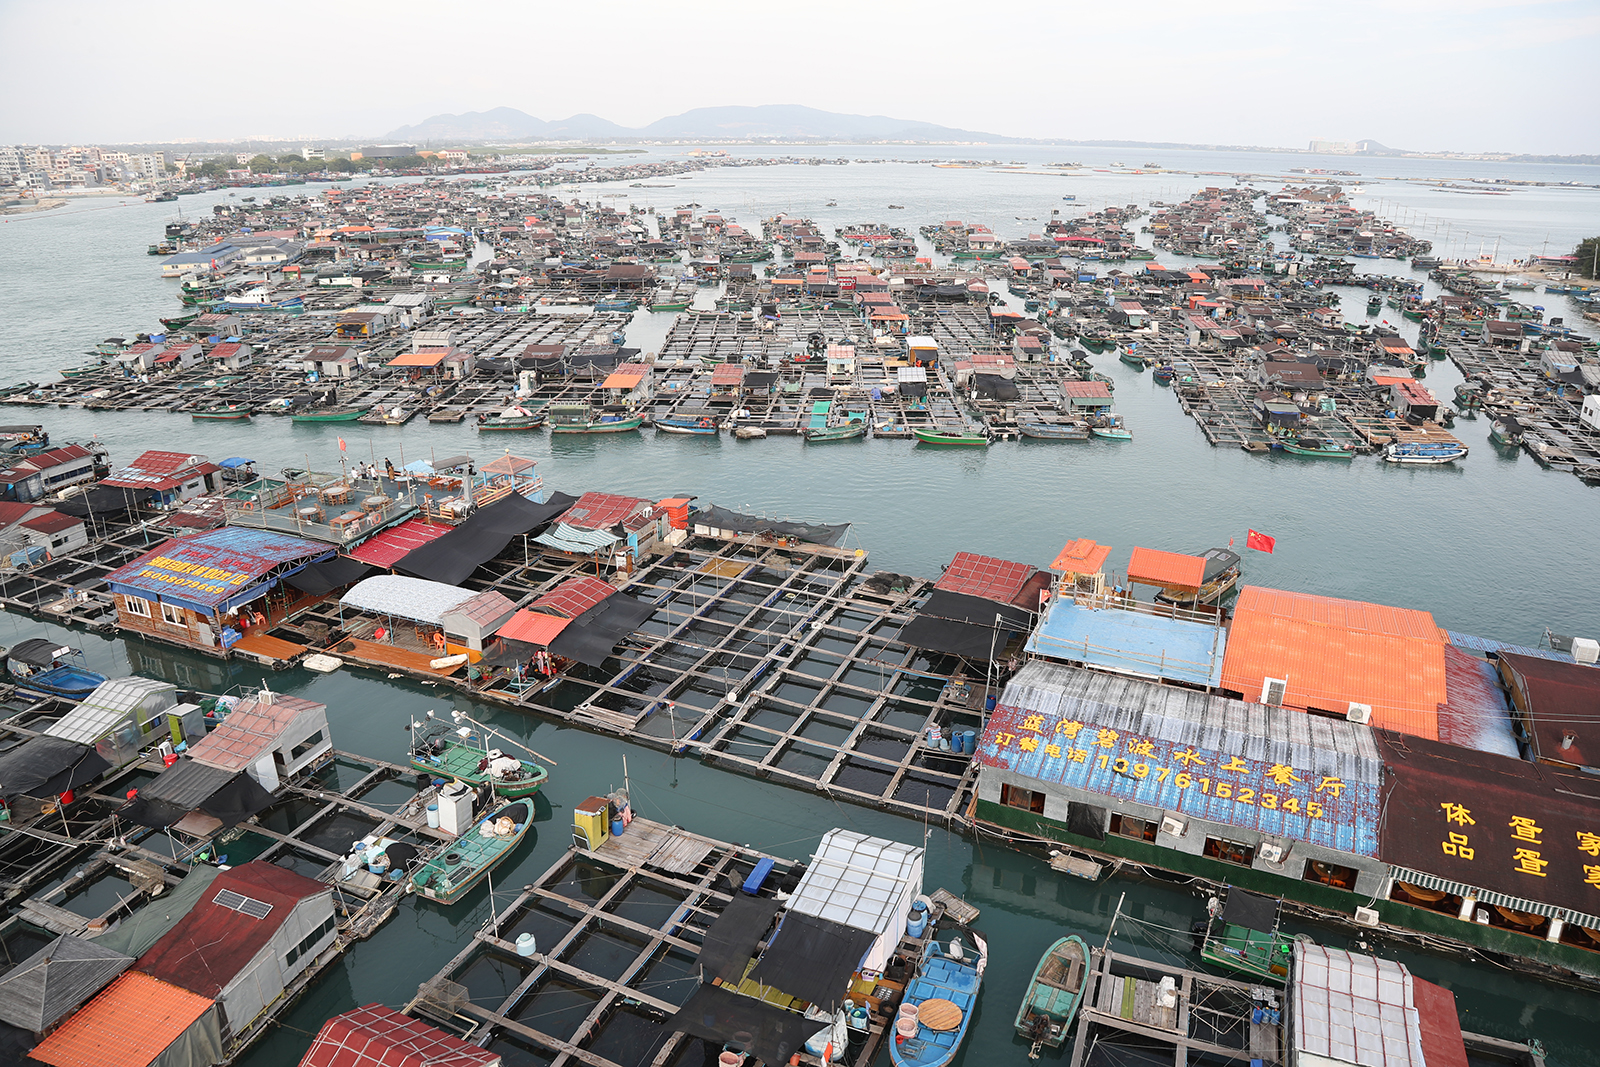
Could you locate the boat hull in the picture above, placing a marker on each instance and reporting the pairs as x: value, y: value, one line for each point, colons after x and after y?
x: 509, y: 424
x: 933, y: 437
x: 1053, y: 996
x: 475, y: 856
x: 826, y: 434
x: 939, y: 977
x: 461, y: 761
x: 65, y: 681
x: 620, y: 426
x: 329, y: 416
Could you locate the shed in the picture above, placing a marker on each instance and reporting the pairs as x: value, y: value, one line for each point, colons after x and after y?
x: 865, y: 883
x: 138, y: 1021
x: 475, y: 620
x: 123, y: 715
x: 1357, y: 1009
x: 271, y: 737
x: 55, y: 981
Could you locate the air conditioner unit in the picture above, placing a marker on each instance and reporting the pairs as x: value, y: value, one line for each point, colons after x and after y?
x: 1272, y: 691
x: 1359, y: 712
x: 1367, y: 916
x: 1270, y: 853
x: 1174, y: 827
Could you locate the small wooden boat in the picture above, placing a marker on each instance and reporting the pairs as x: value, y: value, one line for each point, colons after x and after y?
x: 1054, y: 428
x: 1164, y: 373
x: 606, y: 424
x: 440, y: 753
x: 233, y: 412
x: 1317, y: 448
x: 329, y: 415
x: 1133, y: 358
x: 1424, y: 452
x: 702, y: 425
x: 46, y: 666
x: 512, y: 418
x: 944, y: 990
x: 958, y: 438
x: 1053, y: 996
x: 1506, y: 430
x: 469, y: 859
x: 844, y: 431
x: 1112, y: 428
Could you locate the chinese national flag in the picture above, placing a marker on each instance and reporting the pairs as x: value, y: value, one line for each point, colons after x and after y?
x: 342, y: 448
x: 1260, y: 542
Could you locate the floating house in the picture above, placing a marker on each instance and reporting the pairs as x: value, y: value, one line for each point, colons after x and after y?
x: 165, y: 478
x: 124, y: 716
x: 271, y: 737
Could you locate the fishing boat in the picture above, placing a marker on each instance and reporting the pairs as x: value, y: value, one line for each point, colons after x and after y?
x: 226, y: 413
x: 470, y: 858
x: 1112, y: 428
x: 1374, y: 304
x: 459, y: 752
x: 1316, y: 448
x: 702, y: 425
x: 1164, y: 373
x: 47, y: 667
x: 1053, y: 428
x: 1243, y: 935
x: 944, y: 991
x: 1506, y: 430
x: 178, y: 322
x: 843, y: 431
x: 1424, y: 452
x: 329, y: 415
x: 581, y: 418
x: 512, y: 418
x: 1053, y: 996
x: 1221, y: 573
x: 958, y: 438
x: 1132, y: 358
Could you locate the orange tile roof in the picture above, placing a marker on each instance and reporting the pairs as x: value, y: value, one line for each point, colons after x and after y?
x: 1153, y: 567
x: 129, y: 1024
x: 427, y: 357
x: 1082, y: 556
x: 532, y: 627
x: 1334, y: 652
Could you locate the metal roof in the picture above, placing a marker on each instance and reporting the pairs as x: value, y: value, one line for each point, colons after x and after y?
x: 1153, y: 567
x: 600, y: 511
x: 1094, y: 732
x: 111, y: 702
x: 131, y: 1023
x: 984, y: 576
x: 857, y: 881
x: 485, y: 609
x: 574, y: 597
x: 1371, y: 1012
x: 377, y: 1036
x: 406, y: 598
x: 388, y: 547
x: 250, y: 729
x: 210, y: 567
x: 1081, y: 556
x: 56, y: 980
x: 579, y: 542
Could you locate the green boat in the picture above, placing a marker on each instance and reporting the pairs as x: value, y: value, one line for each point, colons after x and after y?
x: 1112, y: 428
x: 603, y: 426
x: 442, y: 755
x: 469, y: 859
x: 1317, y: 448
x: 1053, y: 996
x: 962, y: 438
x: 231, y: 413
x: 670, y: 305
x: 844, y: 431
x: 438, y: 264
x: 330, y: 415
x: 513, y: 418
x: 1133, y: 359
x: 1245, y: 937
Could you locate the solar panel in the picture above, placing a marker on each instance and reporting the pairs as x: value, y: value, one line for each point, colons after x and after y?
x: 256, y: 909
x: 229, y: 899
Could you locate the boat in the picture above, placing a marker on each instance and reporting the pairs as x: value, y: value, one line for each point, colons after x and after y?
x: 228, y: 412
x: 1374, y: 304
x: 1164, y: 373
x: 1317, y: 448
x: 443, y: 751
x: 1132, y: 358
x: 1221, y: 573
x: 1053, y: 996
x: 330, y: 415
x: 470, y: 858
x: 1424, y: 452
x: 178, y: 322
x: 1506, y: 430
x: 1111, y: 427
x: 1242, y: 935
x: 1053, y: 428
x: 703, y: 425
x: 843, y: 431
x: 512, y: 418
x: 959, y: 438
x: 580, y: 418
x: 944, y: 991
x: 45, y: 666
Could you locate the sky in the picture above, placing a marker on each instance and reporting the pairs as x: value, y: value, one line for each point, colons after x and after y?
x: 1427, y: 75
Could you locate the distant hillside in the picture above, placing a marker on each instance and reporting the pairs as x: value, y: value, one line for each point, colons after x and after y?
x: 780, y: 121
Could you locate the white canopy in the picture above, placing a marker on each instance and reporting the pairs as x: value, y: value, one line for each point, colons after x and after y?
x: 407, y: 598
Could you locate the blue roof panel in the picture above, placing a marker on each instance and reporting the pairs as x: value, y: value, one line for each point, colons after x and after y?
x: 210, y: 567
x: 1132, y: 642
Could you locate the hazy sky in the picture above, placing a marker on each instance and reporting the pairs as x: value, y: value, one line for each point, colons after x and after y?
x: 1470, y: 75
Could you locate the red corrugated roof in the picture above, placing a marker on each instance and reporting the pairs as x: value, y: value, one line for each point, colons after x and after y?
x: 533, y: 627
x: 1153, y: 567
x: 129, y: 1024
x: 1442, y: 1044
x: 376, y: 1036
x: 1081, y: 556
x: 387, y: 548
x: 727, y: 374
x: 213, y: 943
x: 574, y: 597
x: 1086, y: 390
x: 984, y: 576
x: 601, y: 511
x: 1337, y: 652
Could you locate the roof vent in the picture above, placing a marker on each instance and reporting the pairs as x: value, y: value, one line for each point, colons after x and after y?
x: 1273, y: 690
x: 1359, y: 712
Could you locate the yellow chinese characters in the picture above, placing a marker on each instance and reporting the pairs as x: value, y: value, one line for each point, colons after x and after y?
x: 1457, y: 814
x: 1457, y: 845
x: 1524, y: 829
x: 1528, y: 862
x: 1589, y: 843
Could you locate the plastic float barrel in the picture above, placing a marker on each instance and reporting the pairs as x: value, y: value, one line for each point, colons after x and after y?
x: 904, y: 1028
x: 526, y: 945
x: 433, y: 815
x: 916, y: 923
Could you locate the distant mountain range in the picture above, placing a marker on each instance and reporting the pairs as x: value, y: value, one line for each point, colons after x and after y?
x: 781, y: 121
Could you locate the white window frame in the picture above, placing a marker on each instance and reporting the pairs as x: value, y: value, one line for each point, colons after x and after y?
x: 136, y: 605
x: 172, y: 615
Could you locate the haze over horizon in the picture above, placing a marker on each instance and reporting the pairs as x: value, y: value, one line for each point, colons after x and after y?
x: 1421, y: 75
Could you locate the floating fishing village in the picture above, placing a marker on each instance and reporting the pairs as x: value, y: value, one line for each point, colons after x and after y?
x: 183, y: 863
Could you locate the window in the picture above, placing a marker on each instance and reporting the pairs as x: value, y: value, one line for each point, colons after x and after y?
x: 309, y: 942
x: 1230, y: 851
x: 1330, y: 874
x: 1128, y: 826
x: 305, y: 746
x: 1026, y: 799
x: 172, y: 615
x: 137, y: 605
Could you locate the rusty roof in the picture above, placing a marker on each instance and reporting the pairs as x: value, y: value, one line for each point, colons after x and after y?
x: 1152, y: 566
x: 1556, y: 700
x: 533, y: 628
x: 999, y: 580
x: 129, y: 1024
x: 574, y: 597
x: 1336, y: 652
x: 249, y: 730
x: 1081, y: 556
x: 378, y: 1036
x: 386, y: 548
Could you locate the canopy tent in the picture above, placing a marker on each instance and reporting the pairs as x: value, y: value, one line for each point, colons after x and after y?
x: 772, y: 1033
x: 964, y: 625
x: 453, y: 557
x: 591, y: 637
x: 56, y: 981
x: 320, y: 579
x: 405, y: 598
x: 728, y: 945
x: 38, y: 652
x: 48, y: 766
x: 812, y: 959
x: 1251, y: 910
x: 814, y: 532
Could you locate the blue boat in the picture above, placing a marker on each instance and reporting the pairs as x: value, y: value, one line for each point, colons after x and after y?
x: 41, y: 665
x: 945, y: 992
x: 703, y: 425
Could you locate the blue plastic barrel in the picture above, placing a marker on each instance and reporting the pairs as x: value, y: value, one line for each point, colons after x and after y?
x: 969, y: 741
x: 916, y: 922
x: 616, y: 827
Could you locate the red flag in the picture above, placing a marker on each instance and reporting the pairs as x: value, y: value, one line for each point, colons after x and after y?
x: 342, y: 448
x: 1260, y: 541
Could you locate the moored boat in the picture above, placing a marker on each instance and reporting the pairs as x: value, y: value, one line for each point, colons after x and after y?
x: 605, y: 424
x: 470, y: 858
x: 1053, y: 428
x: 703, y: 425
x: 1317, y: 448
x: 1111, y: 427
x: 329, y: 415
x: 1424, y: 452
x: 48, y: 667
x: 1052, y: 998
x: 843, y: 431
x: 436, y: 749
x: 1221, y: 573
x: 944, y: 991
x: 958, y: 438
x: 512, y: 418
x: 226, y: 413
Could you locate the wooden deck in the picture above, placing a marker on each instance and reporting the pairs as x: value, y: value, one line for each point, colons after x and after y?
x: 652, y: 844
x: 270, y: 650
x: 380, y: 654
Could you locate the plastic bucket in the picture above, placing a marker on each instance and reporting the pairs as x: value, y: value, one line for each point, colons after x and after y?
x: 916, y: 922
x: 433, y: 815
x: 379, y: 865
x: 526, y: 945
x: 969, y: 741
x: 907, y: 1011
x: 906, y: 1026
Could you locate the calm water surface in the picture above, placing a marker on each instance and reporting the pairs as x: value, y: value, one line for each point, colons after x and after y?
x: 1497, y: 547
